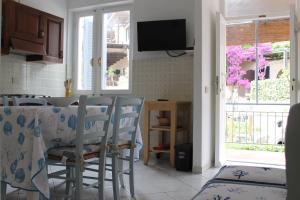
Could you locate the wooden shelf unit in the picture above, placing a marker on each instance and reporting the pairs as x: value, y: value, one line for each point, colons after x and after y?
x: 174, y: 107
x: 159, y: 151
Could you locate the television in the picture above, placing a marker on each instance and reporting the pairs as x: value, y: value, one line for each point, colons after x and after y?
x: 161, y: 35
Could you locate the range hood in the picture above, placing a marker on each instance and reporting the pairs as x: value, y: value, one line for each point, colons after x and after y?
x: 32, y: 33
x: 23, y: 47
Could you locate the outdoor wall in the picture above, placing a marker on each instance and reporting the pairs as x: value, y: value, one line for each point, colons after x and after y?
x: 269, y: 31
x: 19, y: 76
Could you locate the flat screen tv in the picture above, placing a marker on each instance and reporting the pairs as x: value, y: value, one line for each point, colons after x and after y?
x: 161, y: 35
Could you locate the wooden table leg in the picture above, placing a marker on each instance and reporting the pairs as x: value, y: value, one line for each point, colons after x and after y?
x: 146, y: 134
x: 173, y: 134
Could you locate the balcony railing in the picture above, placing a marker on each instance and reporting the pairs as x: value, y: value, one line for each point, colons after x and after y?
x: 255, y: 127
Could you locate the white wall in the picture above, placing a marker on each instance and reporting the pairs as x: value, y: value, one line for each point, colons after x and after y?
x: 55, y: 7
x: 155, y: 75
x: 235, y: 8
x: 80, y: 4
x: 204, y: 75
x: 19, y: 76
x: 145, y: 10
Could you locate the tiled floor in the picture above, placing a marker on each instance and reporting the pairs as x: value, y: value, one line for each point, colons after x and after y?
x: 274, y: 158
x: 157, y: 181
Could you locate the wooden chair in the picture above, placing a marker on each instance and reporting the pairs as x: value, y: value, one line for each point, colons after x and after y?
x: 117, y: 145
x: 29, y: 101
x: 76, y: 155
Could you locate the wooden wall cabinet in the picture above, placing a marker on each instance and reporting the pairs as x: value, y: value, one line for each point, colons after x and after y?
x: 28, y: 24
x: 32, y: 32
x: 54, y: 42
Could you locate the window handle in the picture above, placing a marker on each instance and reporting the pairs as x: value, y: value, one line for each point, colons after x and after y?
x: 95, y: 63
x: 99, y: 61
x: 218, y: 90
x: 294, y: 82
x: 92, y: 62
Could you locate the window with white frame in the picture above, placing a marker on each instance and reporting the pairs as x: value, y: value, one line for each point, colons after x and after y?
x: 102, y: 52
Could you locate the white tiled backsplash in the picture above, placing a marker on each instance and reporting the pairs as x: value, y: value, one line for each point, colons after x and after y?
x: 19, y: 76
x: 168, y: 78
x: 164, y: 78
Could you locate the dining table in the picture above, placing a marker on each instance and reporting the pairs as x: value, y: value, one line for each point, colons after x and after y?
x: 28, y: 132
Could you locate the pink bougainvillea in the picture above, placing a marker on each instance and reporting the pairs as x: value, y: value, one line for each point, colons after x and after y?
x: 237, y: 55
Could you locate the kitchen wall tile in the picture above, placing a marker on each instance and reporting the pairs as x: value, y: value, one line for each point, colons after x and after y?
x: 170, y: 78
x: 19, y: 76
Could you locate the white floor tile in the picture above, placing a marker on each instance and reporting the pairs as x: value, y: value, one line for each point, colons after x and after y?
x: 156, y: 181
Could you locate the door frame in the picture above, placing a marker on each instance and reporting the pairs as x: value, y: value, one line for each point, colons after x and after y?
x: 294, y: 52
x: 220, y: 90
x: 220, y: 137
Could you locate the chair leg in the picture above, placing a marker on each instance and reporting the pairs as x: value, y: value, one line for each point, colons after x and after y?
x: 101, y: 175
x: 3, y: 191
x: 131, y: 173
x: 121, y: 175
x: 68, y: 182
x: 78, y: 183
x: 115, y: 179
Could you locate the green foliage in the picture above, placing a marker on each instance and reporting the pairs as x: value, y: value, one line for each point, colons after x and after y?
x: 254, y: 147
x: 280, y: 46
x: 274, y: 56
x: 246, y: 46
x: 236, y: 128
x: 272, y: 90
x: 110, y: 72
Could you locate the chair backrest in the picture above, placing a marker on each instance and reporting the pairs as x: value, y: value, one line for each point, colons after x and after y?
x: 4, y: 101
x: 292, y: 144
x: 83, y: 119
x: 126, y: 117
x: 29, y: 101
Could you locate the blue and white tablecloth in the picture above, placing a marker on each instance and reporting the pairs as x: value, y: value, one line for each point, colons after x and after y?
x: 26, y: 133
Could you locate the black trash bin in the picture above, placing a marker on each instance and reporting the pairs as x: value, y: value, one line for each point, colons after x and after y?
x: 184, y: 157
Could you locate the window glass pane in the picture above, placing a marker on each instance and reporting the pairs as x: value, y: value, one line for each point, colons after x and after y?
x: 115, y: 52
x: 274, y: 61
x: 85, y: 53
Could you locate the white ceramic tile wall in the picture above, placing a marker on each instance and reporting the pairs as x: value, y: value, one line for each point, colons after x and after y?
x: 169, y: 78
x: 19, y: 76
x: 154, y: 78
